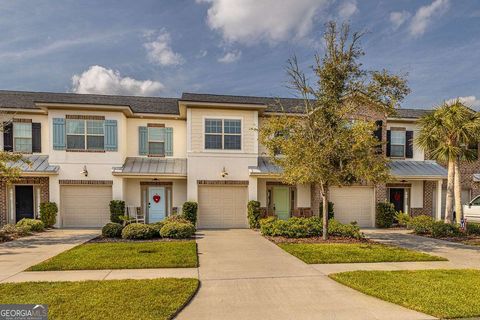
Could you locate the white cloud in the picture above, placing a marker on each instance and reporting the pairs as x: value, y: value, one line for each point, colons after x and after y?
x: 230, y: 57
x: 202, y: 54
x: 100, y: 80
x: 251, y: 21
x: 398, y: 18
x: 160, y: 52
x: 424, y: 16
x: 347, y: 9
x: 470, y: 101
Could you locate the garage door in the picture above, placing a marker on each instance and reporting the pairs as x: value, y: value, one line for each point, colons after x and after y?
x: 222, y: 207
x: 353, y: 204
x: 85, y: 206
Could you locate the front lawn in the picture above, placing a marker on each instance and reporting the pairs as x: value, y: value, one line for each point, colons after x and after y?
x: 353, y: 253
x: 440, y: 293
x: 123, y: 255
x: 112, y: 299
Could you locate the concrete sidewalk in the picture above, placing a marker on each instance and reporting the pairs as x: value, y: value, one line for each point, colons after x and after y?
x: 18, y: 255
x: 244, y: 276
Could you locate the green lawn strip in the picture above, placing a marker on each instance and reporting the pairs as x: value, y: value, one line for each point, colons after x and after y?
x: 111, y: 299
x: 123, y: 255
x: 440, y: 293
x: 353, y: 253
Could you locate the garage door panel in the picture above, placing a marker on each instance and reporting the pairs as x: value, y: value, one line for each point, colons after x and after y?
x: 353, y: 204
x: 85, y: 206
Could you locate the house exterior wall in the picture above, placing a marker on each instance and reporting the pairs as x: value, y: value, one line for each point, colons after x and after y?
x: 418, y: 154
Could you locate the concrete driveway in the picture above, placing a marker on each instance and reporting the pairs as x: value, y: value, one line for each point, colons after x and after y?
x: 244, y: 276
x: 18, y: 255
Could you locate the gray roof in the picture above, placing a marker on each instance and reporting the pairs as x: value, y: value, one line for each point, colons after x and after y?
x: 416, y: 169
x: 35, y: 164
x: 153, y: 166
x: 410, y: 113
x: 264, y: 166
x: 290, y: 105
x: 27, y: 100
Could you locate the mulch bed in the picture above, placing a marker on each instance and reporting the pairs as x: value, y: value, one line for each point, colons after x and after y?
x: 331, y: 239
x: 101, y: 239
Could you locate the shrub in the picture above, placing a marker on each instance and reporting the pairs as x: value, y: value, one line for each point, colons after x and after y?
x: 402, y: 219
x: 266, y: 225
x: 189, y: 211
x: 112, y: 230
x: 441, y: 229
x: 473, y: 228
x: 253, y: 214
x: 176, y: 218
x: 138, y: 231
x: 31, y: 224
x: 331, y: 212
x: 177, y: 230
x: 385, y: 215
x: 157, y: 226
x: 338, y: 229
x: 10, y: 231
x: 117, y: 209
x: 48, y: 213
x: 421, y: 224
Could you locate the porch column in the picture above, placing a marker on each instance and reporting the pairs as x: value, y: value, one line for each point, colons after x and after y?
x: 54, y: 190
x: 438, y: 214
x: 252, y: 188
x: 117, y: 188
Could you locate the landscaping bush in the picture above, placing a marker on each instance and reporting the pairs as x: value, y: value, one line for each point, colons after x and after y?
x: 331, y: 213
x: 31, y: 224
x: 189, y: 211
x: 176, y: 218
x: 441, y: 229
x: 10, y: 231
x: 266, y: 225
x: 338, y: 229
x: 48, y: 213
x: 138, y: 231
x: 253, y: 214
x: 177, y: 230
x: 157, y: 226
x: 385, y: 215
x: 421, y: 224
x: 402, y: 219
x: 473, y: 228
x: 112, y: 230
x: 117, y: 209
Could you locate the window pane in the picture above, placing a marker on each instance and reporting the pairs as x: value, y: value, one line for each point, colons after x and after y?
x: 23, y: 145
x: 213, y: 126
x: 397, y: 151
x: 156, y: 134
x: 397, y: 137
x: 476, y: 202
x: 75, y: 126
x: 232, y: 142
x: 156, y: 148
x: 75, y: 142
x: 232, y: 126
x: 95, y: 142
x: 22, y: 130
x: 94, y: 126
x: 213, y: 141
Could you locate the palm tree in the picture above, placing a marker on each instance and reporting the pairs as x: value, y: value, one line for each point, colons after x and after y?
x: 445, y: 135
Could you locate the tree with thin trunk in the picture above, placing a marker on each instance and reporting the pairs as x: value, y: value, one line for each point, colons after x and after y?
x: 446, y: 135
x: 329, y: 145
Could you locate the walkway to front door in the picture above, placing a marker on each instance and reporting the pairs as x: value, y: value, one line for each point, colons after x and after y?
x: 244, y: 276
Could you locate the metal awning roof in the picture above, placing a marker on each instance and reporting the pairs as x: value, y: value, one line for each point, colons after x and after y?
x: 35, y: 164
x: 152, y: 166
x: 416, y: 169
x: 264, y: 167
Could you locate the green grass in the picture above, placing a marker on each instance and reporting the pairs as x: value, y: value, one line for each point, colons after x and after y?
x: 123, y: 255
x: 440, y: 293
x: 353, y: 253
x: 99, y: 300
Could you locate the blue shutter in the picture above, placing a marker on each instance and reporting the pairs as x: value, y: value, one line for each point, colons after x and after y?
x: 142, y: 141
x: 59, y: 134
x: 169, y: 142
x: 111, y: 135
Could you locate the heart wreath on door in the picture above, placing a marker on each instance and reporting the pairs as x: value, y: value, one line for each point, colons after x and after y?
x: 156, y: 198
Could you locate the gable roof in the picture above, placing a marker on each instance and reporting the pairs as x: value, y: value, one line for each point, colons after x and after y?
x: 27, y: 100
x: 410, y: 113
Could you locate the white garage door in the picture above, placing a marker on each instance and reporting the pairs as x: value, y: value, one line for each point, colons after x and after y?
x: 85, y: 206
x: 222, y: 207
x: 354, y: 204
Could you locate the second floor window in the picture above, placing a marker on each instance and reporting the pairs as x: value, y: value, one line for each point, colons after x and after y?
x: 22, y: 137
x: 156, y: 141
x: 85, y: 134
x: 398, y: 140
x: 223, y: 134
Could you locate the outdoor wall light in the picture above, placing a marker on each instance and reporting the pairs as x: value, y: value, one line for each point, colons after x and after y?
x: 85, y: 171
x: 224, y: 173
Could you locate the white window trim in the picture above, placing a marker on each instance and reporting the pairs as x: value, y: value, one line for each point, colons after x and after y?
x: 223, y: 150
x: 157, y: 141
x: 15, y: 138
x: 404, y: 145
x: 84, y: 134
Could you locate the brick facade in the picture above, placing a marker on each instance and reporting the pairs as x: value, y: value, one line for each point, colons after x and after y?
x: 42, y: 182
x: 428, y: 194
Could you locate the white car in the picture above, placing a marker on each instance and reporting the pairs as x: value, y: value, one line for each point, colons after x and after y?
x: 471, y: 211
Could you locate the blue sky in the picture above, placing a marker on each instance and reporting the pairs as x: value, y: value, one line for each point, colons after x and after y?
x: 165, y: 47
